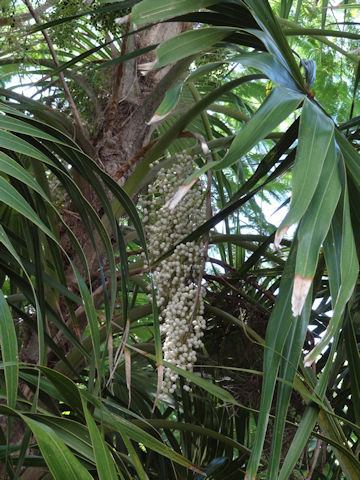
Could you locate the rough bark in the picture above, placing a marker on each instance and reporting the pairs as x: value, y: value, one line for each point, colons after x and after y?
x: 123, y: 129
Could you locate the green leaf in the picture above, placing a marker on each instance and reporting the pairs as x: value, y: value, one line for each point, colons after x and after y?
x: 12, y: 168
x: 20, y: 126
x: 349, y: 269
x: 332, y: 254
x: 351, y: 157
x: 349, y: 463
x: 151, y: 11
x: 169, y: 103
x: 65, y: 386
x: 16, y: 144
x: 276, y: 334
x: 324, y: 6
x: 61, y: 462
x: 309, y: 67
x: 73, y: 434
x: 315, y: 137
x: 135, y: 459
x: 11, y: 197
x: 104, y: 461
x: 314, y: 226
x: 4, y: 239
x: 285, y: 8
x: 91, y: 317
x: 288, y: 368
x: 9, y: 351
x: 189, y: 43
x: 277, y: 107
x: 274, y: 39
x: 174, y: 425
x: 115, y: 423
x: 353, y: 358
x: 268, y: 64
x: 208, y: 386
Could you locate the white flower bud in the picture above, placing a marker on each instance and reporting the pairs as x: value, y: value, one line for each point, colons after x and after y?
x: 175, y: 277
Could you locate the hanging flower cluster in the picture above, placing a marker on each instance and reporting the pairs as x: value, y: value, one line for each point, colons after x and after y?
x: 179, y: 297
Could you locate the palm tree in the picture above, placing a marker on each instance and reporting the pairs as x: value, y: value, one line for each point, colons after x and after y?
x: 148, y: 328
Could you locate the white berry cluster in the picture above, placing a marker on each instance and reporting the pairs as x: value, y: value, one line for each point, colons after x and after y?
x: 179, y: 298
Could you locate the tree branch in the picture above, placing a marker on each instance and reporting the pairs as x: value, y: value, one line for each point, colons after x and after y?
x: 61, y: 75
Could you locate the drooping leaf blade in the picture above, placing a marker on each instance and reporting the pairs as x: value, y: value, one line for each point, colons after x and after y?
x: 315, y: 137
x: 277, y: 107
x: 9, y: 351
x: 189, y: 43
x: 268, y: 64
x: 150, y: 11
x: 104, y: 462
x: 349, y: 268
x: 289, y: 362
x: 61, y: 461
x: 277, y: 331
x: 314, y: 227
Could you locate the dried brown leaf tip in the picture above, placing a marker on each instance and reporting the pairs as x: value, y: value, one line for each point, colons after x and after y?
x: 279, y: 235
x: 300, y: 291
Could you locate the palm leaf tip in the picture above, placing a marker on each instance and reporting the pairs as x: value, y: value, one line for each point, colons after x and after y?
x: 279, y: 235
x: 300, y: 291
